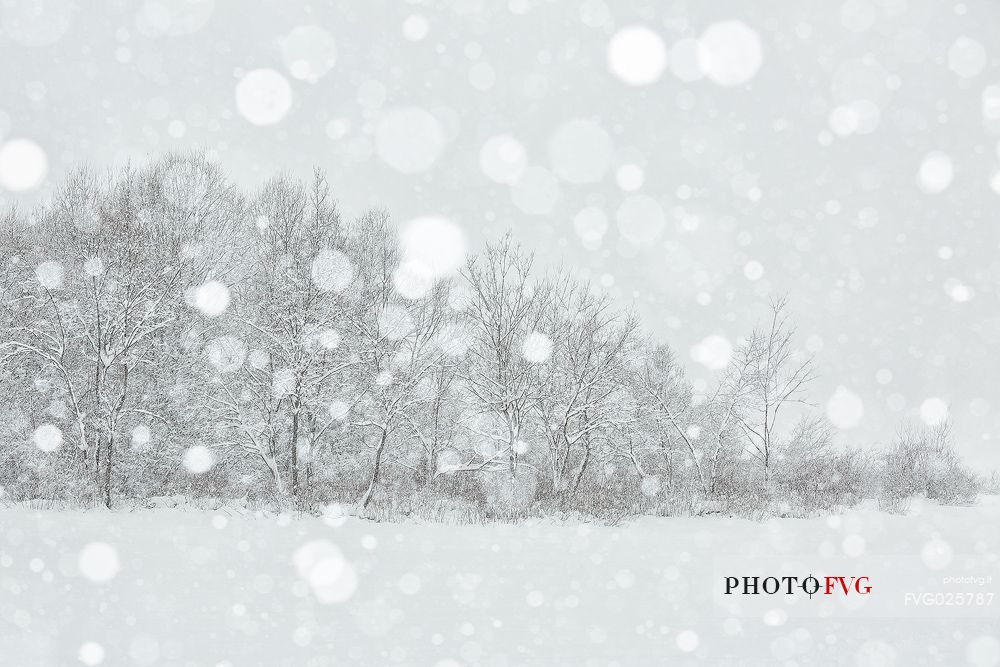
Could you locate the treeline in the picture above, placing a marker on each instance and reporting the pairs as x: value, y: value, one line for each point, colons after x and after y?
x: 164, y: 333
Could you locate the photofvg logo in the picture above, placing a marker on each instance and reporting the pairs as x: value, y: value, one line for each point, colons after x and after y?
x: 876, y: 586
x: 808, y: 585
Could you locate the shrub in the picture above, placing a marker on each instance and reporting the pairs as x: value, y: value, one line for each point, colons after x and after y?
x: 923, y: 462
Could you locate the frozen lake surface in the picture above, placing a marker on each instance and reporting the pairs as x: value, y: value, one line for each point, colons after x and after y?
x: 221, y: 589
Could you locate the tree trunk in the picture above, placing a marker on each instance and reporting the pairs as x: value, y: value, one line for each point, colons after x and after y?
x: 312, y: 451
x: 295, y: 452
x: 512, y: 444
x: 767, y: 465
x: 431, y: 472
x: 97, y: 467
x: 272, y: 467
x: 107, y: 472
x: 376, y: 468
x: 583, y: 467
x: 556, y: 467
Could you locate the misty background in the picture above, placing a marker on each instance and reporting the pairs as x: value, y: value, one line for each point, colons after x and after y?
x: 846, y: 155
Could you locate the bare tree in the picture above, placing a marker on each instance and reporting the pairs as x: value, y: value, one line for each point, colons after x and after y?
x: 776, y: 376
x: 661, y: 385
x: 159, y: 304
x: 580, y: 381
x: 507, y: 306
x: 721, y: 417
x: 395, y: 341
x: 288, y: 317
x: 437, y: 422
x: 112, y: 288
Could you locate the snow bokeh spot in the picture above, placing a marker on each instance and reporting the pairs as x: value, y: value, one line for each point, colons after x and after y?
x: 395, y: 322
x: 90, y: 654
x: 934, y: 411
x: 630, y: 177
x: 753, y: 270
x: 595, y: 13
x: 637, y: 55
x: 432, y: 247
x: 448, y: 461
x: 23, y: 165
x: 503, y: 159
x: 50, y: 274
x: 212, y: 298
x: 967, y: 58
x: 174, y: 17
x: 144, y: 650
x: 198, y: 459
x: 186, y: 183
x: 687, y: 640
x: 410, y: 584
x: 591, y: 224
x: 263, y: 96
x: 958, y: 291
x: 283, y: 383
x: 93, y: 267
x: 409, y: 139
x: 713, y: 352
x: 640, y: 219
x: 536, y: 347
x: 991, y: 103
x: 775, y: 617
x: 844, y: 408
x: 854, y: 545
x: 453, y: 339
x: 412, y: 279
x: 415, y: 27
x: 32, y: 23
x: 858, y: 117
x: 328, y: 339
x: 435, y: 242
x: 48, y: 437
x: 729, y: 53
x: 339, y: 410
x: 309, y: 52
x: 330, y: 576
x: 226, y: 353
x: 140, y: 436
x: 936, y: 172
x: 98, y: 562
x: 580, y: 151
x: 936, y: 554
x: 535, y: 191
x: 332, y: 270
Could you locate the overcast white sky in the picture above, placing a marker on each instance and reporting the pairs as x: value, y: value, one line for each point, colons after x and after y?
x: 695, y: 158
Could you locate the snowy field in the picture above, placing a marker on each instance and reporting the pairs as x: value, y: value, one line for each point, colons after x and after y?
x: 172, y: 587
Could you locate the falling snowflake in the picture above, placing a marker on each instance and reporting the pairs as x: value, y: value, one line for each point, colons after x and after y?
x: 198, y: 459
x: 263, y: 96
x: 330, y: 576
x: 637, y: 55
x: 23, y: 165
x: 536, y: 347
x: 212, y: 298
x: 48, y: 437
x: 98, y: 562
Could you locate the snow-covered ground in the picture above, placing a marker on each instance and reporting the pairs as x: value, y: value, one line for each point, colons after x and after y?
x: 174, y: 587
